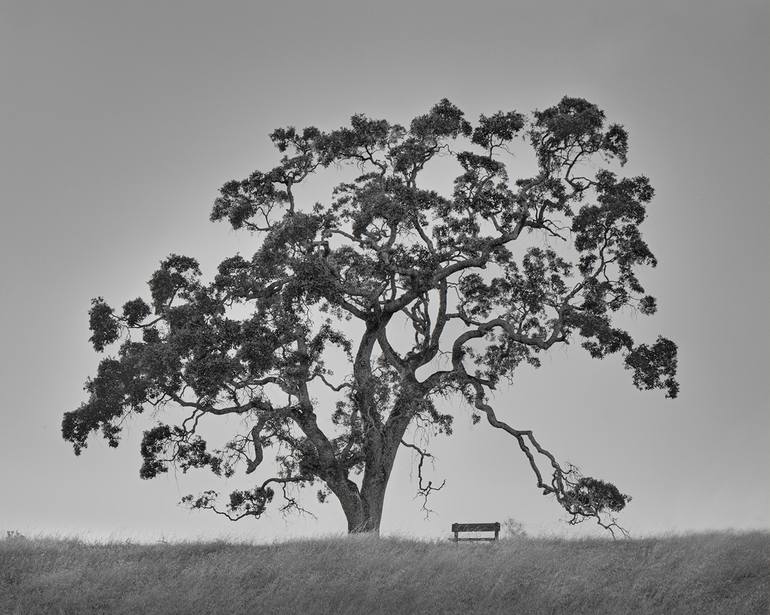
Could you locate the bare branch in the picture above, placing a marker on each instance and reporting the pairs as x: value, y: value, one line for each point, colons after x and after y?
x: 424, y: 489
x: 339, y: 387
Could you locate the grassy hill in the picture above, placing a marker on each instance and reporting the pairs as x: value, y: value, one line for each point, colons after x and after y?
x: 722, y: 573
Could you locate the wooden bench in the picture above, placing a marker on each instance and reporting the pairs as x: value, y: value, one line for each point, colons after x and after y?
x: 475, y: 527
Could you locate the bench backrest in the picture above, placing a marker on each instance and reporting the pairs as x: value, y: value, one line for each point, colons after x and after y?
x: 475, y: 527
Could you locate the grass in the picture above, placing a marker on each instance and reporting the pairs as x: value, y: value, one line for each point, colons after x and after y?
x: 719, y: 573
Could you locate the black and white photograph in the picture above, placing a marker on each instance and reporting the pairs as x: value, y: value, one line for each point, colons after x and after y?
x: 425, y: 307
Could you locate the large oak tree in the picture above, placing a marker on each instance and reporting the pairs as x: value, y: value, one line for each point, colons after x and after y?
x: 486, y: 279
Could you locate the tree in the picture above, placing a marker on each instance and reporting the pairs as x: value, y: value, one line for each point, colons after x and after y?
x: 486, y: 280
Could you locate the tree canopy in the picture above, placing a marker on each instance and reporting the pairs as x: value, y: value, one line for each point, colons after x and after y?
x: 486, y: 279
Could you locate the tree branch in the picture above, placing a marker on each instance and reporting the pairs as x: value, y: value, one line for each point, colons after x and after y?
x: 424, y: 489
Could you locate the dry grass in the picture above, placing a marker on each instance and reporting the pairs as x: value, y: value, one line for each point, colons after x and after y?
x: 724, y: 573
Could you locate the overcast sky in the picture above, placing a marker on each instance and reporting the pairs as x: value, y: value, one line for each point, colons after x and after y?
x: 120, y: 120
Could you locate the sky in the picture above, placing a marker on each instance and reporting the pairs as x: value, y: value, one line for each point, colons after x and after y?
x: 119, y: 121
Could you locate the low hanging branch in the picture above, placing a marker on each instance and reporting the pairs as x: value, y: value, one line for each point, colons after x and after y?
x: 582, y: 497
x: 252, y: 502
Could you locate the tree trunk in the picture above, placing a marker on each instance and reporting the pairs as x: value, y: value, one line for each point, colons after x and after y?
x: 367, y: 515
x: 381, y: 441
x: 363, y: 507
x: 349, y: 498
x: 382, y: 447
x: 373, y: 500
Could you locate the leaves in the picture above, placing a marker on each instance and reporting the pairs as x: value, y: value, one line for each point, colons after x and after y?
x: 654, y: 367
x: 591, y: 496
x: 103, y: 325
x: 497, y: 129
x: 135, y: 311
